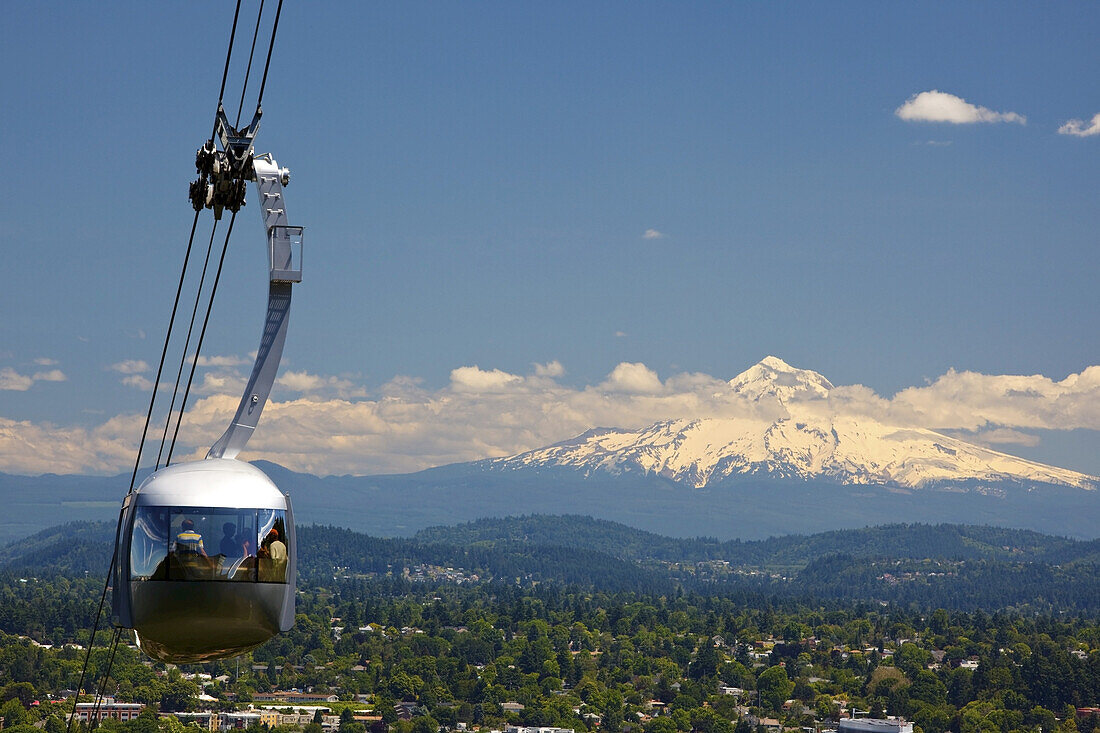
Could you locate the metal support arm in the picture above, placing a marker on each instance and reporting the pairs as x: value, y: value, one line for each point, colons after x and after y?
x: 285, y: 268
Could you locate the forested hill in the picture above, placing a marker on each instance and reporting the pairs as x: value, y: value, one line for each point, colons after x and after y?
x: 903, y: 541
x: 951, y: 566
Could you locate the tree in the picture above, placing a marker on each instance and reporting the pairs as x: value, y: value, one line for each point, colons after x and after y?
x: 22, y: 691
x: 927, y: 688
x: 13, y: 713
x: 425, y: 724
x: 706, y: 720
x: 774, y: 687
x: 663, y: 724
x: 179, y: 694
x: 706, y: 662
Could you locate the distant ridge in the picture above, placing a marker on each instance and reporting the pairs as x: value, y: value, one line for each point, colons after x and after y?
x: 914, y: 541
x: 923, y: 566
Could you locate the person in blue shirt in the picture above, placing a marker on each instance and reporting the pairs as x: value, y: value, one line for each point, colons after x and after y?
x: 231, y: 545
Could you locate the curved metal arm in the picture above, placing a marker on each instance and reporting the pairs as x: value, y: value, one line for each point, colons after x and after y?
x: 284, y: 250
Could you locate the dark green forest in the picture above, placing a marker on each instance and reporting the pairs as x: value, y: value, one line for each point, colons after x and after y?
x: 592, y: 625
x: 915, y: 566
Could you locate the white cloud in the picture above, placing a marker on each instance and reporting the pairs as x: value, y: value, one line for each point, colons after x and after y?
x: 1080, y: 128
x: 130, y: 366
x: 31, y: 448
x: 12, y: 380
x: 53, y: 375
x: 139, y: 382
x: 220, y: 361
x: 635, y: 378
x: 1000, y: 436
x: 550, y: 369
x: 43, y: 361
x: 475, y: 379
x: 491, y: 412
x: 652, y: 234
x: 970, y: 401
x: 937, y: 106
x: 216, y: 383
x: 314, y: 384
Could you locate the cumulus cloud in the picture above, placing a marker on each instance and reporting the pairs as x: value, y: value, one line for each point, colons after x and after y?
x: 550, y: 369
x: 220, y: 361
x: 403, y: 427
x: 31, y: 448
x: 652, y: 234
x: 970, y: 401
x: 305, y: 382
x: 138, y: 382
x: 937, y: 106
x: 130, y: 366
x: 13, y: 381
x: 476, y: 379
x: 633, y: 378
x: 1080, y: 128
x: 999, y: 436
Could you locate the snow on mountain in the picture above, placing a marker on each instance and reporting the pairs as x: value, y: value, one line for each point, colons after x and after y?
x: 801, y: 445
x: 773, y: 377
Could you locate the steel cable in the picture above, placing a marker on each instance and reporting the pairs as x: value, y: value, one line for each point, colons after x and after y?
x: 248, y: 71
x: 270, y: 48
x: 186, y: 344
x: 202, y: 336
x: 100, y: 696
x: 163, y: 354
x: 225, y: 71
x: 91, y: 641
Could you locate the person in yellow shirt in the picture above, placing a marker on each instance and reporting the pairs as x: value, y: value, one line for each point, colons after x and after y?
x: 188, y: 541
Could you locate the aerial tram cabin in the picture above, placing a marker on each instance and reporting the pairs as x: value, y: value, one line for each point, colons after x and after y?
x: 205, y: 551
x: 205, y: 563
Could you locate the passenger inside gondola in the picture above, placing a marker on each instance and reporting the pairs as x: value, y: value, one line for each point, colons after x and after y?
x: 191, y: 560
x: 273, y: 558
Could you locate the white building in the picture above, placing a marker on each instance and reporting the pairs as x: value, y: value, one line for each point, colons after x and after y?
x: 874, y: 725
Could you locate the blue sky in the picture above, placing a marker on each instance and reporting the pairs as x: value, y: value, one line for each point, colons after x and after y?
x: 478, y: 180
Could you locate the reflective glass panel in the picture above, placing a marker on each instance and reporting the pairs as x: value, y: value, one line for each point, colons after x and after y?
x: 149, y: 546
x: 212, y: 544
x: 209, y: 543
x: 274, y: 550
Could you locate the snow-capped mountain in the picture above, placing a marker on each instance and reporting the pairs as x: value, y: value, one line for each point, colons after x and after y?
x: 802, y: 443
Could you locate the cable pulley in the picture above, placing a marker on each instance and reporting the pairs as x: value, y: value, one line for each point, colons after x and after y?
x: 223, y: 173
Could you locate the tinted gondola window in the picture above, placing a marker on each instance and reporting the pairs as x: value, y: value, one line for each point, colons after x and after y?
x: 274, y: 546
x: 213, y: 544
x: 208, y: 543
x: 149, y: 548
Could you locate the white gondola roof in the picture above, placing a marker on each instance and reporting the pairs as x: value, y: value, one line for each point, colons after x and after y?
x: 216, y: 482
